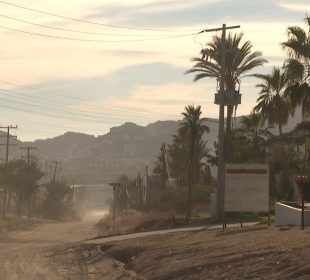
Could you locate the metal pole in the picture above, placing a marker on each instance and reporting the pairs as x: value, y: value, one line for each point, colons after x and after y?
x: 220, y: 166
x: 147, y: 184
x: 114, y: 207
x: 220, y: 163
x: 302, y: 210
x: 163, y: 166
x: 7, y: 145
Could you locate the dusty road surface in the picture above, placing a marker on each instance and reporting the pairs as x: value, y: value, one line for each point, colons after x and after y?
x: 46, y: 251
x: 57, y: 251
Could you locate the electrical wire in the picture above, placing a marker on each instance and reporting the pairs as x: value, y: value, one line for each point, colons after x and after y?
x: 49, y: 124
x: 70, y: 115
x: 90, y: 101
x: 66, y: 114
x: 83, y: 21
x: 48, y: 114
x: 73, y: 115
x: 85, y: 32
x: 41, y: 104
x: 93, y: 40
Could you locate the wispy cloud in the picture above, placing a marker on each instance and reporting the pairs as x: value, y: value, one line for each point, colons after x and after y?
x: 130, y: 53
x: 180, y: 13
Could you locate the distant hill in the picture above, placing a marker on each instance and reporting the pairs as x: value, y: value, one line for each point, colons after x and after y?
x: 126, y: 149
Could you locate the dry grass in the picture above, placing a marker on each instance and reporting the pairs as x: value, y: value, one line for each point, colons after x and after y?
x: 15, y: 223
x: 242, y: 253
x: 133, y: 221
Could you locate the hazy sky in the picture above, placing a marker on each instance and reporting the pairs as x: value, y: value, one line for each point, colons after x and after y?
x: 52, y: 85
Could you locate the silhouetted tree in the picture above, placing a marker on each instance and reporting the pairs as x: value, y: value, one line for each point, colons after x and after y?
x: 240, y: 59
x: 297, y: 67
x: 22, y: 182
x: 191, y: 130
x: 271, y: 103
x: 54, y: 204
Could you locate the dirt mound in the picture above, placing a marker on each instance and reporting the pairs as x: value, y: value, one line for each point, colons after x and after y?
x: 242, y: 253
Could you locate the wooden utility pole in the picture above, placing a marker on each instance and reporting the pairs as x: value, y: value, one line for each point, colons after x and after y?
x: 56, y: 167
x: 147, y: 184
x: 221, y: 160
x: 114, y: 206
x: 73, y: 190
x: 114, y: 185
x: 137, y: 194
x: 28, y: 153
x: 28, y: 164
x: 140, y: 188
x: 8, y: 136
x: 163, y: 166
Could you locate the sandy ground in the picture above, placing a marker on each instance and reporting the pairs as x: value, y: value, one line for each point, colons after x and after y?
x: 45, y: 252
x: 57, y: 251
x: 248, y: 253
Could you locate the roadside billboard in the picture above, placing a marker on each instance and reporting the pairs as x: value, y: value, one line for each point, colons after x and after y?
x: 246, y: 188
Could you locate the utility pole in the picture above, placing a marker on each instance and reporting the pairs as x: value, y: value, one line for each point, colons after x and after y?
x: 163, y: 166
x: 147, y: 183
x: 140, y: 188
x: 28, y: 164
x: 114, y: 206
x: 221, y: 160
x: 28, y: 153
x: 114, y: 185
x: 8, y: 136
x: 137, y: 194
x: 56, y: 167
x: 73, y: 191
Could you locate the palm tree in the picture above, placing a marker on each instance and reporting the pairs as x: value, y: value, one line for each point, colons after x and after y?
x: 191, y: 130
x: 178, y: 156
x: 252, y: 127
x: 271, y: 103
x: 298, y: 67
x: 240, y: 59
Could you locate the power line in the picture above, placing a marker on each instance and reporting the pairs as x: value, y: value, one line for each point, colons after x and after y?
x: 35, y: 102
x: 59, y: 116
x: 83, y: 21
x: 49, y: 124
x: 47, y: 114
x: 28, y: 148
x: 8, y: 136
x: 69, y: 114
x: 90, y: 101
x: 95, y: 41
x: 84, y: 32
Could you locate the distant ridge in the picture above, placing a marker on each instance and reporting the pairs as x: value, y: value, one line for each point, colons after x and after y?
x: 125, y: 149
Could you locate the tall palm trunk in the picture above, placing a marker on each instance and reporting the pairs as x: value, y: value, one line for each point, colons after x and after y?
x: 230, y: 85
x: 189, y: 199
x: 230, y: 110
x: 4, y: 195
x: 9, y: 200
x: 29, y: 206
x: 280, y: 128
x: 20, y: 204
x: 228, y: 139
x: 190, y: 179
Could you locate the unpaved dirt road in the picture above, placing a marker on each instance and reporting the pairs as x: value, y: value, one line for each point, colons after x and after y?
x: 56, y: 251
x: 39, y: 253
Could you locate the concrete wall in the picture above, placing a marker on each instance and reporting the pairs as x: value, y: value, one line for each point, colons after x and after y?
x: 286, y: 215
